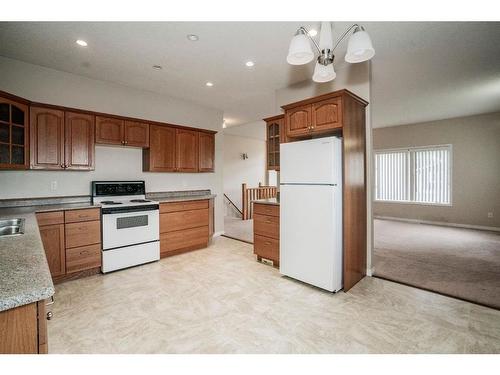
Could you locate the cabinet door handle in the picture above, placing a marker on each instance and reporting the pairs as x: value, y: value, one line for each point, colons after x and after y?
x: 50, y: 315
x: 62, y: 165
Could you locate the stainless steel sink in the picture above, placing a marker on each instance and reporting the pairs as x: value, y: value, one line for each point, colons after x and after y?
x: 11, y: 227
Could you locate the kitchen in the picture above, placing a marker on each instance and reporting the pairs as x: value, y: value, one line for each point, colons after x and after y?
x: 112, y: 208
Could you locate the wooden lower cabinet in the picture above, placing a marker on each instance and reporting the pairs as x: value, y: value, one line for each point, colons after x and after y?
x: 184, y: 226
x: 264, y: 225
x: 268, y: 248
x: 82, y: 234
x: 175, y: 221
x: 23, y: 330
x: 72, y: 242
x: 193, y: 238
x: 54, y: 245
x: 266, y: 232
x: 83, y: 258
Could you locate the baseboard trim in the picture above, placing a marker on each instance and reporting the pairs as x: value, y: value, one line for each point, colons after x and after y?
x: 435, y: 291
x: 218, y: 234
x: 442, y: 223
x: 370, y: 271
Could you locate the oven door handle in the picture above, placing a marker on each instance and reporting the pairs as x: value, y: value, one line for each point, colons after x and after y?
x: 120, y: 210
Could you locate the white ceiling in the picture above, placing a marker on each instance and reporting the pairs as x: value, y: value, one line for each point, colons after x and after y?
x: 421, y: 71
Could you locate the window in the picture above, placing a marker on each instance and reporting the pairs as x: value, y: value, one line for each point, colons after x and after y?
x: 415, y: 175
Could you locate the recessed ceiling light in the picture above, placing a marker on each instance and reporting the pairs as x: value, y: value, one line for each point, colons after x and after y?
x: 209, y: 84
x: 193, y: 37
x: 249, y: 64
x: 157, y: 67
x: 313, y: 32
x: 82, y: 43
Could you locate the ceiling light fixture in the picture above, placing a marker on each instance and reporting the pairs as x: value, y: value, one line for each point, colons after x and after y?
x: 249, y: 64
x: 224, y: 125
x: 209, y: 84
x: 193, y: 37
x: 82, y: 43
x: 312, y: 32
x: 359, y: 49
x: 157, y: 67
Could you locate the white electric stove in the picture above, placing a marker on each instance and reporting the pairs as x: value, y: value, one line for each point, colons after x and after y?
x: 130, y: 224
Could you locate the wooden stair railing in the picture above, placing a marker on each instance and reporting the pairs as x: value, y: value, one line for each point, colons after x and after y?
x: 251, y: 194
x: 233, y: 205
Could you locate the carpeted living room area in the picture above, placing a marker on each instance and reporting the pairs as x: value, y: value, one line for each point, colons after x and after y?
x: 459, y: 262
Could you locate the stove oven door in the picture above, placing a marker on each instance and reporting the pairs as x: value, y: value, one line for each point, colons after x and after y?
x: 130, y: 226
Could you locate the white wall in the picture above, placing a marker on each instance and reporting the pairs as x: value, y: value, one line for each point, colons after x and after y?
x: 355, y: 78
x: 255, y: 130
x: 475, y: 181
x: 237, y: 171
x: 55, y: 87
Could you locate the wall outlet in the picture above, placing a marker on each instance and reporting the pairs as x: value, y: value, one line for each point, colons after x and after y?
x: 53, y: 185
x: 490, y: 215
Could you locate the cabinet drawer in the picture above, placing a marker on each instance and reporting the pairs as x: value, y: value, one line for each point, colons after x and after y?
x: 188, y: 238
x: 268, y: 226
x: 82, y: 234
x: 50, y: 218
x: 183, y: 206
x: 83, y: 258
x: 266, y: 209
x: 266, y: 247
x: 87, y: 214
x: 173, y: 221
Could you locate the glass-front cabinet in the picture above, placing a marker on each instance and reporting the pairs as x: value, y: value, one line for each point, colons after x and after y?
x: 274, y: 136
x: 13, y: 134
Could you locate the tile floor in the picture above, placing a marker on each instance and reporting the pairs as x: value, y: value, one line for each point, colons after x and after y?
x: 220, y: 300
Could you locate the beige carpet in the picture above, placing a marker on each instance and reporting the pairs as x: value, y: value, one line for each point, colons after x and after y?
x: 463, y: 263
x: 238, y: 229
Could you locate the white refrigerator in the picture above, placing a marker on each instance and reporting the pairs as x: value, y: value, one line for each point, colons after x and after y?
x: 311, y: 212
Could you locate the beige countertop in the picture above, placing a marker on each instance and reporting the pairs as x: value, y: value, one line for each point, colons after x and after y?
x: 272, y: 201
x: 24, y: 273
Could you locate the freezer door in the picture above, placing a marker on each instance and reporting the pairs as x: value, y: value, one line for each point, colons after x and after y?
x: 315, y: 161
x: 311, y: 234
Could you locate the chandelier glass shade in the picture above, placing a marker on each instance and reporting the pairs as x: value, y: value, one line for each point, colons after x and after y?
x: 300, y: 52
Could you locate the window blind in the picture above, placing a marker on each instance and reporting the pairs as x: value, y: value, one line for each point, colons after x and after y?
x: 419, y: 175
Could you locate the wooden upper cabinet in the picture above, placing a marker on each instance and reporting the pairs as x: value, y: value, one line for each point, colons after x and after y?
x: 115, y: 131
x: 318, y: 115
x: 108, y: 130
x: 326, y: 115
x: 186, y: 146
x: 274, y: 137
x: 46, y: 138
x: 160, y: 156
x: 14, y: 141
x: 298, y: 121
x: 136, y: 134
x: 79, y: 141
x: 206, y: 152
